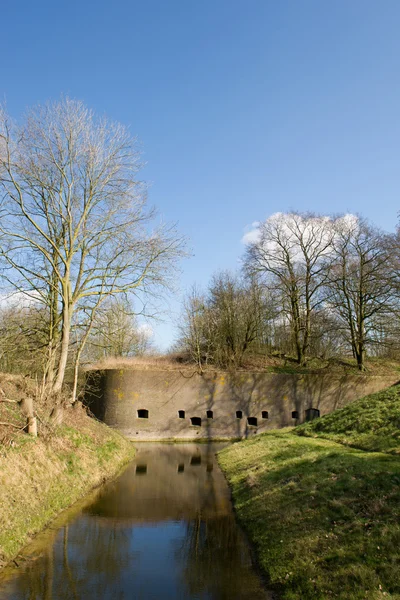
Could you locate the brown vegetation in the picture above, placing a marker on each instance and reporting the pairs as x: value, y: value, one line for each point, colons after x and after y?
x: 251, y: 362
x: 39, y: 477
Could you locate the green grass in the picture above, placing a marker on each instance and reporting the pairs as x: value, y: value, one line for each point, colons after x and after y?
x: 78, y: 438
x: 105, y: 451
x: 321, y: 502
x: 324, y: 519
x: 372, y: 423
x: 39, y: 477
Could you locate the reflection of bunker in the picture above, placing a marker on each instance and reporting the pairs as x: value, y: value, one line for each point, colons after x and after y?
x: 164, y: 469
x: 160, y: 535
x: 152, y: 405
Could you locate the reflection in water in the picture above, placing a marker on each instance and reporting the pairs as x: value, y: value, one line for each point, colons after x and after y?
x: 170, y: 534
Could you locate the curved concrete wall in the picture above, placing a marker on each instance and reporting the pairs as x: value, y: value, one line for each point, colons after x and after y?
x: 123, y: 396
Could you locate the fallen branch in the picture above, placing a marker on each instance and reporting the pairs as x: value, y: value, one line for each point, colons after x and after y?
x: 12, y: 425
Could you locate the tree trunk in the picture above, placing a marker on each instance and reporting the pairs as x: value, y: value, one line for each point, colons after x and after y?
x: 49, y: 575
x: 360, y: 358
x: 32, y: 426
x: 53, y: 330
x: 62, y: 363
x: 295, y: 326
x: 76, y: 373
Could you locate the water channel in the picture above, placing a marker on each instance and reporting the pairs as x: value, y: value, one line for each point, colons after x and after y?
x: 163, y: 530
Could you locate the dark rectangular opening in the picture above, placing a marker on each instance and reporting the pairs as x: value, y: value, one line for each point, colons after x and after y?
x: 143, y: 413
x: 295, y: 414
x: 141, y: 469
x: 195, y: 421
x: 264, y: 414
x: 252, y: 421
x: 195, y: 461
x: 181, y: 468
x: 210, y: 467
x: 312, y: 413
x: 181, y: 414
x: 210, y: 414
x: 239, y: 414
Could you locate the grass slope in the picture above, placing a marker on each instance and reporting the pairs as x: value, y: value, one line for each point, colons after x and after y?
x: 41, y: 477
x: 324, y: 517
x: 371, y: 423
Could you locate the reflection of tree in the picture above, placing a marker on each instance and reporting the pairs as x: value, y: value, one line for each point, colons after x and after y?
x: 67, y: 568
x: 94, y: 557
x: 49, y: 574
x: 86, y: 561
x: 217, y: 560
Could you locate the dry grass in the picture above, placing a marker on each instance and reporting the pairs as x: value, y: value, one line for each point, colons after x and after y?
x: 143, y: 363
x: 14, y: 387
x: 40, y: 477
x: 251, y: 363
x: 19, y: 395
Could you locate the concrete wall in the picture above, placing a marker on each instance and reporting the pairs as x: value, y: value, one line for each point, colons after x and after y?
x: 121, y: 393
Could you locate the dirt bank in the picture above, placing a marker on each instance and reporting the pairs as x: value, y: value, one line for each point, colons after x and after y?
x: 40, y: 477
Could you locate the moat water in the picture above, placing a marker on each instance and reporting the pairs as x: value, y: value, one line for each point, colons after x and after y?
x: 163, y: 530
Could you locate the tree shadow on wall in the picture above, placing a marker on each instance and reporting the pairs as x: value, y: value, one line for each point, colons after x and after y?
x: 94, y: 393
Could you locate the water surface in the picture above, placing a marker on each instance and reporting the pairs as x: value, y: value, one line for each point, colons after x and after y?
x: 163, y: 530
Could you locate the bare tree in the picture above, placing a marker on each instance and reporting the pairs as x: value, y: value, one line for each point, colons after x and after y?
x: 196, y: 335
x: 23, y: 337
x: 222, y: 325
x: 236, y: 311
x: 116, y: 332
x: 291, y: 255
x: 392, y: 245
x: 75, y: 227
x: 360, y: 291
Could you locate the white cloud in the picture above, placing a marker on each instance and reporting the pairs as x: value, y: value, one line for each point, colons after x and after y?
x: 19, y: 300
x: 252, y: 233
x: 146, y: 331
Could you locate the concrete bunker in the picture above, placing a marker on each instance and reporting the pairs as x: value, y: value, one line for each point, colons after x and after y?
x: 124, y: 399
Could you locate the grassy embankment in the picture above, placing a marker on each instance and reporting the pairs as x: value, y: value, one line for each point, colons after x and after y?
x: 325, y: 517
x: 41, y: 477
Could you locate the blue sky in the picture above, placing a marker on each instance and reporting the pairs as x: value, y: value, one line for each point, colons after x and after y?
x: 242, y: 108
